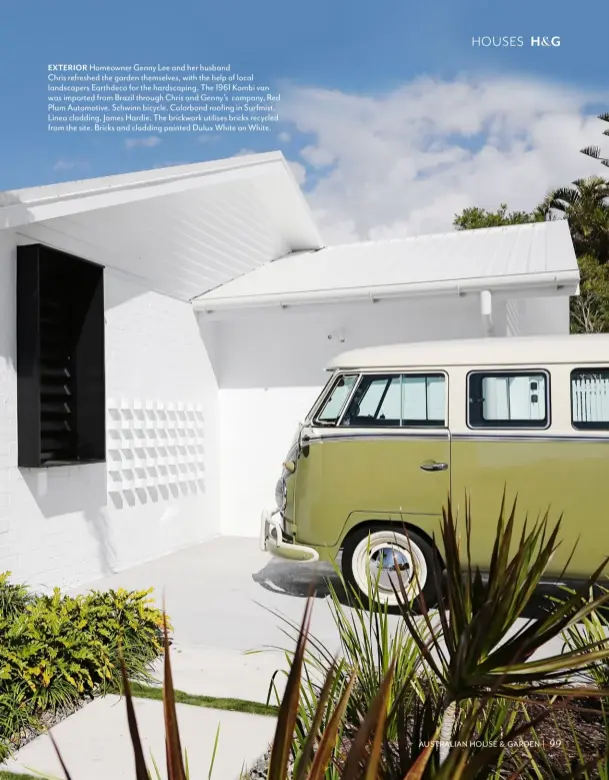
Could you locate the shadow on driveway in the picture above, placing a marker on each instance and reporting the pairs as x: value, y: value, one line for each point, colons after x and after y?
x: 294, y: 579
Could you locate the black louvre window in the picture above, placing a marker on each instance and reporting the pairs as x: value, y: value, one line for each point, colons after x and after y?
x: 60, y: 359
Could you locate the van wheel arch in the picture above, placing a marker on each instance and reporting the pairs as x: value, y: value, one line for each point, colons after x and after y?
x: 420, y: 547
x: 409, y: 526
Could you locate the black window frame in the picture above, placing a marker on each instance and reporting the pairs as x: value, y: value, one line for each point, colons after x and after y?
x: 408, y: 424
x: 61, y: 382
x: 478, y: 422
x: 586, y: 426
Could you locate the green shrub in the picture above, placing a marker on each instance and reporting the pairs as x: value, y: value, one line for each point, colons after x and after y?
x: 13, y: 598
x: 592, y: 629
x: 122, y: 619
x: 56, y: 650
x: 57, y: 659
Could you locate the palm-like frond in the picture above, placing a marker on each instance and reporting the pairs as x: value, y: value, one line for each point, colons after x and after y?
x: 595, y: 152
x: 586, y: 206
x: 476, y: 615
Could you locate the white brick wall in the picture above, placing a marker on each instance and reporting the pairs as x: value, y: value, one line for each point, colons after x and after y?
x: 59, y: 526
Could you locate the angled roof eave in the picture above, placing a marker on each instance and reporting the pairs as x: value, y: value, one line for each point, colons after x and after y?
x: 537, y: 258
x: 37, y: 204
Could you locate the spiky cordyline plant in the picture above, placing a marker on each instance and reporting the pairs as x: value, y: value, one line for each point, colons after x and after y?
x: 465, y: 648
x: 474, y: 655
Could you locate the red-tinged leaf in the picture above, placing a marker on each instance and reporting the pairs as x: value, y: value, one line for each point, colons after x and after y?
x: 413, y: 629
x: 141, y: 772
x: 372, y: 719
x: 173, y: 747
x: 417, y: 770
x: 374, y: 761
x: 518, y: 772
x: 61, y: 761
x: 288, y: 710
x: 307, y: 751
x: 328, y: 740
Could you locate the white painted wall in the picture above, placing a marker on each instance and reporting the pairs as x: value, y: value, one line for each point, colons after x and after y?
x: 60, y: 526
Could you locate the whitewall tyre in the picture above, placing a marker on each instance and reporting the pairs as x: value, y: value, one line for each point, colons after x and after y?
x: 374, y: 552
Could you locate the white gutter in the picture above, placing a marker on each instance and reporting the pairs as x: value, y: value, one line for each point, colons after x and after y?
x: 504, y: 284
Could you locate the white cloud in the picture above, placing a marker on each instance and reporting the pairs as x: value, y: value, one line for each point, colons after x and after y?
x: 299, y: 171
x: 68, y: 165
x: 406, y: 161
x: 284, y: 137
x: 316, y: 157
x: 147, y: 143
x: 170, y: 164
x: 243, y: 152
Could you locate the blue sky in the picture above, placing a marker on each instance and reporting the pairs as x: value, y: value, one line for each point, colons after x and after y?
x: 362, y: 48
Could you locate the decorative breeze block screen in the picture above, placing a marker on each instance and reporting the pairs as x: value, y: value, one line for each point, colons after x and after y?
x: 153, y: 444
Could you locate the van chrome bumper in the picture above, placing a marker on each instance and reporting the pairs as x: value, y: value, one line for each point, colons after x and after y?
x: 272, y: 541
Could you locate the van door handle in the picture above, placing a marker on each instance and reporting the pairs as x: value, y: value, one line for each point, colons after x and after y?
x: 432, y: 465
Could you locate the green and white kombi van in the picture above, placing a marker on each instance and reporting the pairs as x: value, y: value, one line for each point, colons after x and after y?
x: 399, y: 428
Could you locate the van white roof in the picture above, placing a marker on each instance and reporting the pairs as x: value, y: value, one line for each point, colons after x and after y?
x: 582, y: 350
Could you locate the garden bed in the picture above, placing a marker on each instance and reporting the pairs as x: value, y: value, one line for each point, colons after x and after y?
x: 57, y: 652
x: 552, y: 747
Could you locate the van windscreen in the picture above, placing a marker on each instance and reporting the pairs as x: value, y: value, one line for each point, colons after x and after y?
x: 335, y: 402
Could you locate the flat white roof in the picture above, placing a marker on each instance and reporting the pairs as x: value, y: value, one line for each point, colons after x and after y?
x: 581, y: 349
x: 181, y: 230
x: 533, y: 256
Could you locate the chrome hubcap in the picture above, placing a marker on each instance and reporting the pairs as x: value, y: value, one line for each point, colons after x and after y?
x: 389, y: 564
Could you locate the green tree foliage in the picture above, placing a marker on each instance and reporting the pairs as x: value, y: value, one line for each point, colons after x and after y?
x: 475, y: 218
x: 595, y: 151
x: 590, y: 309
x: 585, y: 204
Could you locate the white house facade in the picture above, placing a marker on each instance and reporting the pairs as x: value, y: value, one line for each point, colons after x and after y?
x: 162, y: 333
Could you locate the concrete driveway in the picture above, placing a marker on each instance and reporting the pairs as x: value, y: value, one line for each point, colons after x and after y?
x: 219, y: 596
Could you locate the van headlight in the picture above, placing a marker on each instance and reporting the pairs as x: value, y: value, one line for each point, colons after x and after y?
x: 281, y: 494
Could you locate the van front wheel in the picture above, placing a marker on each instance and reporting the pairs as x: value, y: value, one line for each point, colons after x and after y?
x: 379, y: 554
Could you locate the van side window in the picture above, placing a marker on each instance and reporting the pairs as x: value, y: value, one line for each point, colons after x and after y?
x: 590, y: 398
x: 508, y: 399
x: 393, y: 401
x: 424, y: 400
x: 336, y: 400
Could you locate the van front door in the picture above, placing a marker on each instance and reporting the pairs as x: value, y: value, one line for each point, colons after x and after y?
x: 385, y: 458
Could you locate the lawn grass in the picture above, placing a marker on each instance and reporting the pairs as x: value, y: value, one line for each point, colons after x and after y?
x: 211, y: 702
x: 156, y: 694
